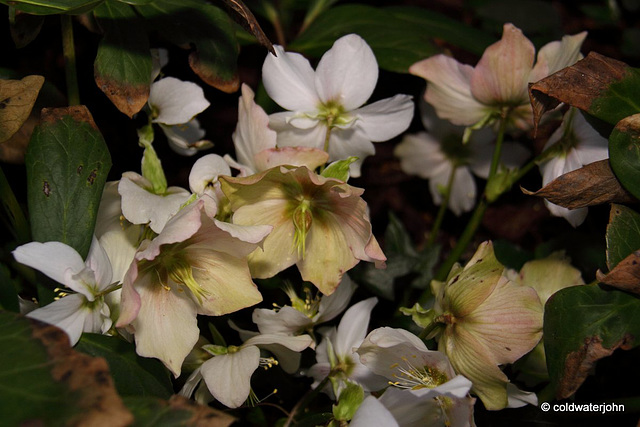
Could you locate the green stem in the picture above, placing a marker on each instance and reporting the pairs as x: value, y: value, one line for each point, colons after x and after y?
x: 68, y: 49
x: 17, y: 220
x: 443, y: 208
x: 497, y: 151
x: 306, y: 399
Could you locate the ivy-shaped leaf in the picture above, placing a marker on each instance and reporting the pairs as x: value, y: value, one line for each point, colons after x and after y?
x: 623, y: 234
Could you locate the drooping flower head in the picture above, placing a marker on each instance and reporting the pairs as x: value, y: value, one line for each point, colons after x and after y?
x: 320, y: 224
x: 325, y: 105
x: 498, y: 84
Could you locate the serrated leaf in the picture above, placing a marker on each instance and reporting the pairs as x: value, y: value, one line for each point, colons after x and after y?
x: 122, y: 68
x: 53, y: 7
x: 132, y: 374
x: 624, y: 153
x: 177, y: 411
x: 603, y: 87
x: 16, y: 101
x: 623, y: 234
x: 208, y: 28
x: 396, y: 43
x: 43, y: 381
x: 67, y: 164
x: 583, y: 324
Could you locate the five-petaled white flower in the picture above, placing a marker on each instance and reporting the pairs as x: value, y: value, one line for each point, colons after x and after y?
x: 325, y: 105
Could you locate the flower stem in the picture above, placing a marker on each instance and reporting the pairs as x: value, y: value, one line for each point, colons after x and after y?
x: 17, y: 221
x: 69, y: 53
x: 443, y: 208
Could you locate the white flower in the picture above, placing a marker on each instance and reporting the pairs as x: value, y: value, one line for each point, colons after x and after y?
x: 578, y: 144
x: 203, y: 178
x: 336, y: 356
x: 84, y: 311
x: 328, y: 102
x: 187, y: 138
x: 433, y: 156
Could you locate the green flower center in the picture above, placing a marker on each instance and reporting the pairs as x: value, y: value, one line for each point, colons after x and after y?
x: 333, y: 114
x: 302, y: 219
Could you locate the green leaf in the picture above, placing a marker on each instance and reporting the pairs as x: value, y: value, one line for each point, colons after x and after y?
x: 339, y: 169
x: 44, y: 382
x: 624, y: 153
x: 123, y: 64
x: 623, y: 234
x: 133, y: 375
x: 396, y: 43
x: 350, y: 399
x: 67, y: 164
x: 583, y: 324
x: 52, y: 7
x: 8, y: 291
x: 208, y: 28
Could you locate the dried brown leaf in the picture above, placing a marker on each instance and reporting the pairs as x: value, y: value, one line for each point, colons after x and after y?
x: 593, y: 184
x: 16, y: 101
x: 79, y: 113
x: 127, y: 98
x: 202, y: 416
x: 625, y: 275
x: 249, y: 22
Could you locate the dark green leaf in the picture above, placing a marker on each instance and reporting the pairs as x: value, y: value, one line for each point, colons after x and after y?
x: 8, y: 292
x: 583, y: 324
x: 25, y: 28
x: 396, y: 43
x: 623, y: 234
x: 133, y: 375
x: 624, y: 153
x: 208, y: 28
x: 52, y: 7
x: 67, y: 164
x: 510, y: 255
x: 177, y: 412
x: 44, y: 382
x: 123, y: 64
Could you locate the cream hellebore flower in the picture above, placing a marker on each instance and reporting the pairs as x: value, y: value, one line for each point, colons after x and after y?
x: 174, y: 104
x: 84, y: 311
x: 433, y: 155
x: 336, y: 356
x: 485, y: 320
x: 575, y: 144
x: 498, y: 84
x: 255, y: 142
x: 228, y: 373
x: 320, y: 224
x: 325, y: 105
x: 196, y: 265
x: 424, y: 387
x: 303, y: 315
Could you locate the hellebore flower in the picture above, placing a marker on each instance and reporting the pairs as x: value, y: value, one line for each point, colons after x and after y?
x: 498, y: 84
x: 196, y: 265
x: 336, y: 356
x: 433, y: 155
x: 320, y: 224
x: 575, y: 144
x: 303, y: 315
x: 325, y: 105
x: 255, y: 142
x: 228, y: 373
x: 485, y: 320
x: 84, y: 311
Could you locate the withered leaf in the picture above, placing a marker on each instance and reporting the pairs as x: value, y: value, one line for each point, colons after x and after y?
x: 16, y: 101
x: 578, y: 85
x: 249, y: 22
x: 593, y: 184
x: 625, y: 275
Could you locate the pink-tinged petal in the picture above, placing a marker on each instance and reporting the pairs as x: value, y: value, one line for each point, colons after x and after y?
x: 166, y: 326
x: 292, y: 156
x: 205, y: 171
x: 226, y: 281
x: 353, y: 326
x: 234, y: 239
x: 385, y: 119
x: 286, y: 321
x: 228, y: 377
x: 176, y: 101
x: 51, y: 258
x: 130, y: 298
x: 289, y: 80
x: 557, y: 55
x: 347, y: 73
x: 252, y: 134
x: 502, y: 73
x: 449, y: 89
x: 141, y: 206
x: 372, y: 413
x: 66, y: 313
x: 334, y: 304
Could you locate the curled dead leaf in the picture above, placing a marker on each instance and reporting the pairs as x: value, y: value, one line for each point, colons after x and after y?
x: 249, y: 22
x: 16, y: 101
x: 127, y: 98
x: 593, y: 184
x: 625, y: 275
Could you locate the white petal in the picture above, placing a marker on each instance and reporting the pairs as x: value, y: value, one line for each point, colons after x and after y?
x: 347, y: 73
x: 191, y: 383
x: 334, y: 304
x: 50, y: 258
x: 557, y: 55
x: 463, y: 191
x: 519, y: 398
x: 386, y: 118
x: 287, y: 321
x: 98, y: 261
x: 120, y: 246
x: 513, y: 155
x: 575, y: 217
x: 297, y: 343
x: 205, y: 171
x: 353, y: 326
x: 345, y: 143
x: 186, y: 139
x: 420, y: 155
x: 176, y: 101
x: 372, y: 413
x: 66, y: 313
x: 289, y: 136
x: 228, y: 377
x: 289, y: 80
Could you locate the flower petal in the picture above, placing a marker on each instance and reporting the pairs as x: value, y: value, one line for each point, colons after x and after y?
x: 186, y: 139
x: 228, y: 377
x: 176, y: 101
x: 310, y: 157
x: 67, y: 313
x: 353, y: 326
x: 386, y: 118
x: 557, y: 55
x: 372, y: 413
x: 205, y: 171
x: 289, y: 80
x: 50, y: 258
x: 286, y: 321
x: 334, y: 304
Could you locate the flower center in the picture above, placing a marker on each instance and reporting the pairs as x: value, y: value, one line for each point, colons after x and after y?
x: 302, y: 219
x: 308, y: 306
x: 409, y: 376
x: 333, y: 114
